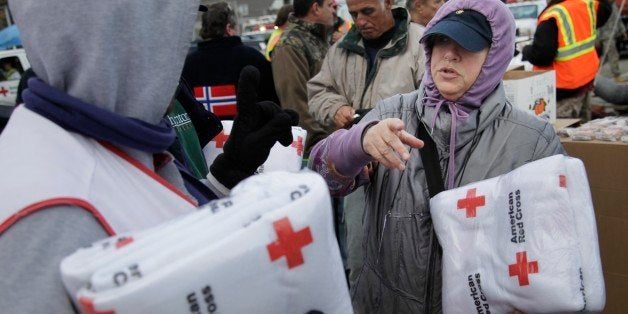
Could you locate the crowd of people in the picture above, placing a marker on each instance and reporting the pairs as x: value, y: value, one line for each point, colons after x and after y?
x: 110, y: 133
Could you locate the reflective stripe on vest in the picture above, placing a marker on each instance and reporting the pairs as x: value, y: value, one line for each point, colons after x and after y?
x: 272, y: 42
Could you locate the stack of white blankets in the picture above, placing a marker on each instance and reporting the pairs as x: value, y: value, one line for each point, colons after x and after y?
x: 525, y: 240
x: 268, y: 248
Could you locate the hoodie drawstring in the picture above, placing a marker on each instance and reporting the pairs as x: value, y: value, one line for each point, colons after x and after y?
x: 458, y: 113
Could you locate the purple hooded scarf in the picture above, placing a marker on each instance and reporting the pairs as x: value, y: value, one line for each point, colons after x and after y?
x: 500, y: 53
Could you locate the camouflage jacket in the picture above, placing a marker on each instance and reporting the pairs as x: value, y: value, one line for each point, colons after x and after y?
x: 296, y: 59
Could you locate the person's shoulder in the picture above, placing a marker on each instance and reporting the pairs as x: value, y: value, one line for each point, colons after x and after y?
x: 249, y: 52
x: 294, y: 36
x: 195, y: 56
x: 416, y: 31
x: 526, y: 122
x: 295, y: 41
x: 398, y: 105
x: 336, y: 50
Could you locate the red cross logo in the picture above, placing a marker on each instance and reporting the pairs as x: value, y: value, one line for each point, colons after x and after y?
x: 298, y: 144
x: 3, y: 91
x: 471, y: 203
x: 522, y: 268
x: 123, y: 241
x: 88, y: 307
x: 562, y: 181
x: 289, y: 243
x: 220, y: 139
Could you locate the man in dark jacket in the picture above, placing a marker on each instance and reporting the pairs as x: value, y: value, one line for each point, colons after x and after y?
x: 213, y: 69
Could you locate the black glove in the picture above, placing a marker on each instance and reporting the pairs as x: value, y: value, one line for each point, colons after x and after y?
x: 256, y: 128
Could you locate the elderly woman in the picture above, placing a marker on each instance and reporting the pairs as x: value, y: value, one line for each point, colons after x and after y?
x: 477, y: 135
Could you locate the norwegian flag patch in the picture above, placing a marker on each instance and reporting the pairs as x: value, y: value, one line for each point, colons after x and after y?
x: 220, y: 100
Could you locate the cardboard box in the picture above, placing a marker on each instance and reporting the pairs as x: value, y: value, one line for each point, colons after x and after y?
x: 563, y: 123
x: 534, y: 91
x: 607, y: 169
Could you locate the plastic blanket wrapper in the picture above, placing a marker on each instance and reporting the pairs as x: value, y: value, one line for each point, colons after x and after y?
x: 609, y: 134
x: 565, y: 132
x: 78, y: 268
x: 583, y: 135
x: 275, y: 253
x: 602, y: 123
x: 280, y: 158
x: 593, y: 290
x: 526, y: 240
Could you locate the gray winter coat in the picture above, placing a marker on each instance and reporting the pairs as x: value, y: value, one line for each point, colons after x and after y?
x: 402, y: 269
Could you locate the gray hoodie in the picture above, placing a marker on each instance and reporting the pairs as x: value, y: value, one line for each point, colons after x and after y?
x: 125, y: 56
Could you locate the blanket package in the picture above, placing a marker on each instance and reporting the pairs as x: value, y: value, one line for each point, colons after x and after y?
x: 280, y: 158
x: 269, y: 247
x: 525, y: 240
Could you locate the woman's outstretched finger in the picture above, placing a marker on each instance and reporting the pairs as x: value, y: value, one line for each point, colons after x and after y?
x: 388, y: 157
x: 410, y: 139
x: 398, y: 146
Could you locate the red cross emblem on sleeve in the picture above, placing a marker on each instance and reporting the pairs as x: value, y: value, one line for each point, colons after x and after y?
x: 471, y: 203
x: 3, y: 91
x: 522, y: 268
x: 289, y: 243
x: 88, y: 307
x: 298, y: 144
x: 220, y: 139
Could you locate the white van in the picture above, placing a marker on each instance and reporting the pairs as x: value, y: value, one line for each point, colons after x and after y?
x: 13, y: 62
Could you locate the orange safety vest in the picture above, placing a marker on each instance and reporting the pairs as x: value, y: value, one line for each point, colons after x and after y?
x: 576, y: 62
